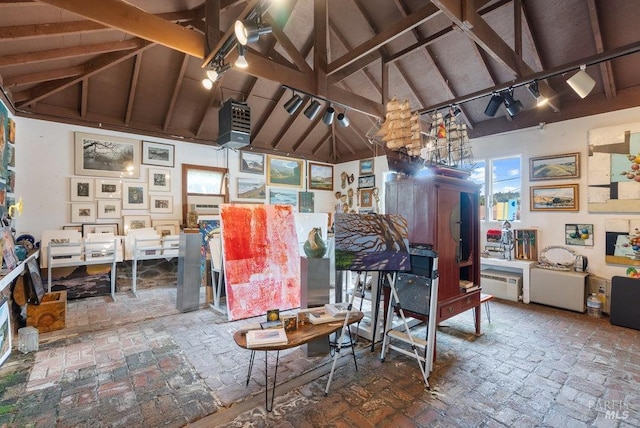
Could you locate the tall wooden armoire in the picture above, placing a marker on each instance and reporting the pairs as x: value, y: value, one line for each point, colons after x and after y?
x: 442, y: 213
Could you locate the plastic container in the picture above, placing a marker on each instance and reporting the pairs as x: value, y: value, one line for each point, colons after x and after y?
x: 594, y: 306
x: 27, y: 339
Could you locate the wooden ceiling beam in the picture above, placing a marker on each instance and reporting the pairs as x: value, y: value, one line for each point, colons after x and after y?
x: 284, y: 128
x: 66, y: 53
x: 17, y: 32
x: 43, y: 76
x: 305, y: 135
x: 84, y: 98
x: 130, y: 19
x: 91, y: 67
x: 321, y: 143
x: 605, y: 67
x: 290, y: 48
x: 133, y: 85
x: 174, y: 94
x: 394, y: 31
x: 208, y: 56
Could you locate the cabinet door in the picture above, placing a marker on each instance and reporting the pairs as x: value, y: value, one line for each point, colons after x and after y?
x: 448, y: 242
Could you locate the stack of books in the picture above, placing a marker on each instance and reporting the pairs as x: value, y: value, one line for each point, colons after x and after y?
x: 320, y: 315
x: 337, y: 309
x: 266, y: 338
x: 468, y: 286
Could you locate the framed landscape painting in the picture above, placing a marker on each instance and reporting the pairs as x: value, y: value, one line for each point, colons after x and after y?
x: 81, y: 189
x: 108, y: 188
x: 158, y: 154
x: 106, y: 156
x: 250, y: 188
x: 554, y: 167
x: 134, y: 196
x: 554, y: 198
x: 320, y: 176
x: 252, y: 163
x: 284, y: 172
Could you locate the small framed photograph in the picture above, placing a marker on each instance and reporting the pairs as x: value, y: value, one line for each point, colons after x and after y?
x: 366, y: 181
x: 366, y: 198
x: 167, y: 229
x: 109, y: 208
x: 283, y: 197
x: 134, y: 196
x: 320, y: 176
x: 159, y: 180
x: 578, y: 234
x: 81, y: 189
x: 554, y: 167
x: 107, y: 188
x: 100, y: 228
x: 554, y: 198
x: 106, y: 156
x: 251, y: 162
x: 161, y: 204
x: 306, y: 202
x: 158, y: 154
x: 83, y: 212
x: 135, y: 222
x: 366, y: 166
x: 251, y: 188
x: 286, y: 172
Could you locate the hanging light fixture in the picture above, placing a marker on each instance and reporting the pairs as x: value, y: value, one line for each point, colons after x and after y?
x: 241, y: 61
x: 312, y: 111
x: 343, y: 120
x: 327, y: 118
x: 581, y: 82
x: 494, y: 103
x: 250, y: 30
x: 513, y: 106
x: 213, y: 74
x: 207, y: 83
x: 293, y: 104
x: 535, y: 93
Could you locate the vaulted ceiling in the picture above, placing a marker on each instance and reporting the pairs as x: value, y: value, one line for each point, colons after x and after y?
x: 137, y: 66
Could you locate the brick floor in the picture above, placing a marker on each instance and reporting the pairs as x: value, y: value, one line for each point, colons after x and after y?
x: 122, y: 364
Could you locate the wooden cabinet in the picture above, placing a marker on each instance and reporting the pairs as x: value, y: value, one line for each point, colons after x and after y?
x: 442, y: 213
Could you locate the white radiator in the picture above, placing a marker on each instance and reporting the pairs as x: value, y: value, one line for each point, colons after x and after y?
x: 503, y: 285
x: 562, y: 289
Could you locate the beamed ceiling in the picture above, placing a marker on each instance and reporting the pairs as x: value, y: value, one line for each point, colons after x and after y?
x: 136, y: 66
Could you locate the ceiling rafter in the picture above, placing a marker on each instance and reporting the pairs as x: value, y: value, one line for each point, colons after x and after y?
x: 84, y: 102
x: 275, y: 142
x: 321, y: 143
x: 131, y: 20
x: 92, y: 67
x: 174, y: 94
x: 133, y: 85
x: 307, y: 132
x: 42, y: 76
x: 606, y: 68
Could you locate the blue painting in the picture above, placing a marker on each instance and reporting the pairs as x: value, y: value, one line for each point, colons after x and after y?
x: 208, y: 228
x: 371, y: 242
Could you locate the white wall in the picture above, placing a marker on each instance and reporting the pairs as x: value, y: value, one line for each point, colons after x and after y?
x: 557, y: 138
x: 45, y: 164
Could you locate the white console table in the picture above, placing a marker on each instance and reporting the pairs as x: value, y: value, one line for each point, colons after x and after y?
x: 523, y: 266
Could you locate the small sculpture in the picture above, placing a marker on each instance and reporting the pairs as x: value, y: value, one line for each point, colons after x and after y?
x: 314, y: 247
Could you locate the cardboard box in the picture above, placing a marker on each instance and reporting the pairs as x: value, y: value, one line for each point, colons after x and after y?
x: 50, y: 314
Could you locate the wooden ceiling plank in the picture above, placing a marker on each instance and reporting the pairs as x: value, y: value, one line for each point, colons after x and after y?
x: 84, y: 98
x: 128, y: 18
x: 91, y: 67
x: 605, y: 67
x: 291, y: 50
x: 212, y: 23
x: 355, y: 102
x: 305, y: 135
x: 255, y: 133
x: 287, y: 125
x: 17, y: 32
x: 174, y: 94
x: 321, y: 46
x: 65, y: 53
x: 394, y: 31
x: 133, y: 85
x: 43, y: 76
x: 321, y: 143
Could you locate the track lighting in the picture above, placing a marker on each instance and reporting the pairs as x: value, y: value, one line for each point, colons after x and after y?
x: 213, y: 74
x: 312, y: 111
x: 293, y: 104
x: 327, y: 118
x: 535, y: 92
x: 513, y: 106
x: 241, y: 61
x: 207, y: 83
x: 250, y: 30
x: 581, y: 82
x: 494, y: 103
x: 343, y: 120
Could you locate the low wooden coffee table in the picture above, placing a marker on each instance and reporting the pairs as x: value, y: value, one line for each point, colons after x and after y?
x: 303, y: 335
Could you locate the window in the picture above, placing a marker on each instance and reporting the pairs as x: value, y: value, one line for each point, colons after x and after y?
x: 503, y: 186
x: 203, y: 188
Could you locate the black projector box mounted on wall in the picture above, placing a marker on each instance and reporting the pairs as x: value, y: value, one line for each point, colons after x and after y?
x: 234, y: 125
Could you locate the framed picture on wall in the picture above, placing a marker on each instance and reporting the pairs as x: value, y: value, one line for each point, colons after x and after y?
x: 161, y: 204
x: 109, y: 208
x: 306, y: 202
x: 108, y: 188
x: 158, y: 154
x: 83, y: 212
x: 554, y: 167
x: 106, y: 156
x: 159, y: 180
x: 135, y: 222
x: 134, y: 196
x: 320, y: 176
x: 252, y: 163
x: 366, y: 181
x: 249, y: 188
x: 81, y: 189
x: 554, y: 198
x: 99, y: 228
x: 366, y: 166
x: 283, y: 197
x: 283, y: 171
x: 366, y: 198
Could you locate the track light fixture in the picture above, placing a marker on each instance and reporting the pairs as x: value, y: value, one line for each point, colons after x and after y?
x: 250, y: 30
x: 293, y: 104
x: 494, y: 103
x: 214, y: 73
x: 312, y: 111
x: 327, y: 118
x: 581, y: 82
x: 513, y: 106
x: 535, y: 93
x: 241, y: 61
x: 343, y: 120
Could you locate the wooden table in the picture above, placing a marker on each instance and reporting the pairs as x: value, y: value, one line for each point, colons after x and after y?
x: 303, y: 335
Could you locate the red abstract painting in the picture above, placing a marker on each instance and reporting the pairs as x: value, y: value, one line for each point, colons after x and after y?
x: 261, y: 259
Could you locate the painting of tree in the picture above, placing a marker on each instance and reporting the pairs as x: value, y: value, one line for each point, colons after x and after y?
x: 373, y: 242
